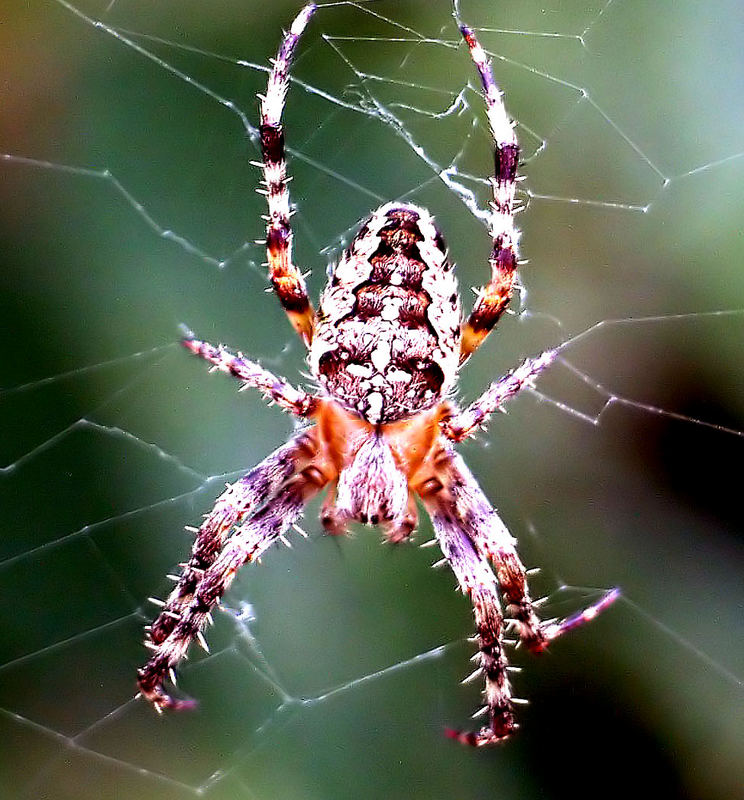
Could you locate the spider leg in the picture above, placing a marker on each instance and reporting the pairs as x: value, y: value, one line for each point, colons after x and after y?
x: 494, y: 297
x: 286, y: 279
x: 476, y: 579
x: 464, y: 423
x: 465, y: 501
x: 470, y: 533
x: 246, y: 544
x: 239, y: 500
x: 252, y: 374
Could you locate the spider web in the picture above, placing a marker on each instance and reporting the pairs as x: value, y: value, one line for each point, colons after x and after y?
x: 128, y: 207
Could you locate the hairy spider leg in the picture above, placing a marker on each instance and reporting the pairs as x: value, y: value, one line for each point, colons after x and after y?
x: 285, y: 277
x: 253, y: 375
x: 247, y: 543
x: 464, y: 423
x: 470, y: 534
x: 553, y: 630
x: 478, y: 582
x: 494, y: 297
x: 239, y: 500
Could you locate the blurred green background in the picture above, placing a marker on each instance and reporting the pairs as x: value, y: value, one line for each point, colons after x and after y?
x: 128, y: 208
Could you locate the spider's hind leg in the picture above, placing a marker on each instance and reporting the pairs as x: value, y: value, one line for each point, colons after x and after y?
x: 286, y: 278
x: 494, y: 297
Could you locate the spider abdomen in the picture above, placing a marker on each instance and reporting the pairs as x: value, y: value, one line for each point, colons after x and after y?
x: 387, y: 342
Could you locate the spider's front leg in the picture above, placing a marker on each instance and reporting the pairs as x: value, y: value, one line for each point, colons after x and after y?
x: 286, y: 279
x: 470, y: 534
x: 453, y: 526
x: 240, y: 499
x: 478, y: 582
x: 246, y: 544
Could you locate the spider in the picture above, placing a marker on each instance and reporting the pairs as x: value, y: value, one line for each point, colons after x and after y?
x: 385, y: 346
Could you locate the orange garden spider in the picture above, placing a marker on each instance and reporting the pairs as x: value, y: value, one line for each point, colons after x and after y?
x: 385, y: 346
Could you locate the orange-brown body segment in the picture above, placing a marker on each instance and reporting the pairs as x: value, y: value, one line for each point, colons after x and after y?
x: 414, y: 444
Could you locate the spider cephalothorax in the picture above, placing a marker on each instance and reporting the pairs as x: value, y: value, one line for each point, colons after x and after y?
x: 385, y: 346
